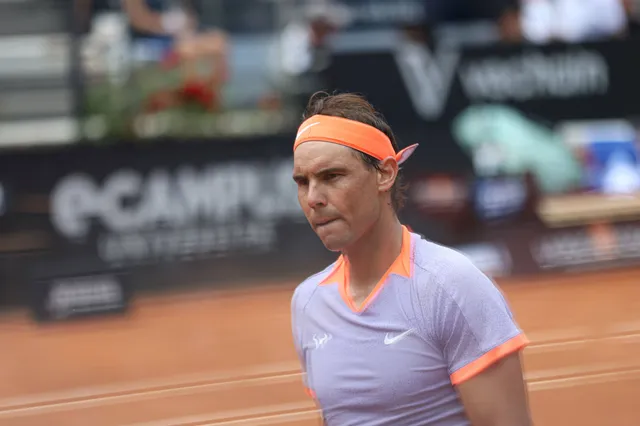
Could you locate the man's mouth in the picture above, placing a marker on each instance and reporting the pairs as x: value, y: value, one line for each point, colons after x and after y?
x: 320, y: 224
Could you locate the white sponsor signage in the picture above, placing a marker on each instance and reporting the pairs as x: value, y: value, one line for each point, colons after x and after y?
x: 528, y: 75
x: 177, y: 213
x: 81, y: 295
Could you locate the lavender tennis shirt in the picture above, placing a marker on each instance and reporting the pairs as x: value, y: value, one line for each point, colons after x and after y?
x: 432, y: 322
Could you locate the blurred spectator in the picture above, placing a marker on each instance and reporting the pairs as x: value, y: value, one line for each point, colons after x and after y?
x: 168, y: 30
x: 546, y: 21
x: 301, y: 49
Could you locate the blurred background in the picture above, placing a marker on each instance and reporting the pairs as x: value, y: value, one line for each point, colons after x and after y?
x: 150, y: 235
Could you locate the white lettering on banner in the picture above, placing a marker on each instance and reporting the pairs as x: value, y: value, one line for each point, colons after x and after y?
x: 83, y: 295
x: 567, y: 249
x: 192, y: 243
x: 581, y: 247
x: 534, y: 75
x: 189, y: 212
x: 429, y: 76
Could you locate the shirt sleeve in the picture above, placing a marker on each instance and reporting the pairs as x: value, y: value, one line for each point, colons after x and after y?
x: 473, y: 323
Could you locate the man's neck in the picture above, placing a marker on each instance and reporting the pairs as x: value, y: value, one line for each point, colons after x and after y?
x: 374, y: 253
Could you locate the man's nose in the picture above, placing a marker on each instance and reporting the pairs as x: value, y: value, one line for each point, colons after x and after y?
x: 316, y: 196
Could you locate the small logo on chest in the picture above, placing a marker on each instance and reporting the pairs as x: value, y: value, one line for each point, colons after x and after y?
x: 390, y: 339
x: 320, y: 340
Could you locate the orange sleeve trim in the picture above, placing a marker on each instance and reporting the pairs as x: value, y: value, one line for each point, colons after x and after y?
x: 485, y: 361
x: 310, y: 393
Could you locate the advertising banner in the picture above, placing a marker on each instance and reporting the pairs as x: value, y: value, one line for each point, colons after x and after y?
x: 554, y: 82
x: 441, y: 94
x: 170, y: 215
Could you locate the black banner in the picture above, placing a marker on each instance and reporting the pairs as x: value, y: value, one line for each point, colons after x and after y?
x: 422, y: 92
x: 169, y: 215
x: 557, y: 81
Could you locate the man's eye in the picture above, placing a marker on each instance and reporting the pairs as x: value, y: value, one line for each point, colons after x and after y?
x: 332, y: 176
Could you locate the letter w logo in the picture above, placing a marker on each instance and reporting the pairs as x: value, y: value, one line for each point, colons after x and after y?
x: 427, y: 76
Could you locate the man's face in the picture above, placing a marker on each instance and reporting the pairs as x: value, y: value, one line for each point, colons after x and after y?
x: 339, y: 194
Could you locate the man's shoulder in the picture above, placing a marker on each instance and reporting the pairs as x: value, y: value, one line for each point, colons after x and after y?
x: 447, y: 281
x: 438, y: 261
x: 304, y: 291
x: 442, y: 268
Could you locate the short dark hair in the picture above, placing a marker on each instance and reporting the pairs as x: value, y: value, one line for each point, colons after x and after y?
x: 355, y: 107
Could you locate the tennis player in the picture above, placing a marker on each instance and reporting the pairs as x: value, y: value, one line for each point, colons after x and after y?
x: 398, y: 331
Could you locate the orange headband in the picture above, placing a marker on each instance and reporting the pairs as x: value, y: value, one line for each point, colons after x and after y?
x: 350, y: 133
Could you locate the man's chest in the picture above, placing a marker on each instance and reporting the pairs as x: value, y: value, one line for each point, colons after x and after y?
x: 374, y: 360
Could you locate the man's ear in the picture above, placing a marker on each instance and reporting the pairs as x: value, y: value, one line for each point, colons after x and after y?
x: 387, y: 174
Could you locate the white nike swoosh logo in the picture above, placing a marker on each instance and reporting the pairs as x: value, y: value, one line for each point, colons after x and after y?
x: 304, y: 129
x: 388, y: 340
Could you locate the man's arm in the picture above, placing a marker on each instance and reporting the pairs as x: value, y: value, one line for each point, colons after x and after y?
x: 142, y: 18
x: 498, y: 395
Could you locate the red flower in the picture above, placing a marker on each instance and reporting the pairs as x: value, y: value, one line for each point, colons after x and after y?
x: 199, y: 93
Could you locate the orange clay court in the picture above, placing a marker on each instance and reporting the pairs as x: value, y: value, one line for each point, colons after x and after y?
x: 226, y: 358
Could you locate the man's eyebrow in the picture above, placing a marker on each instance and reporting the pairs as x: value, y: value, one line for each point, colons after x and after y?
x: 325, y: 171
x: 330, y: 170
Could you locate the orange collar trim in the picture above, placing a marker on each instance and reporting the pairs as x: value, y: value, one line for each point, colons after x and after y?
x: 401, y: 266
